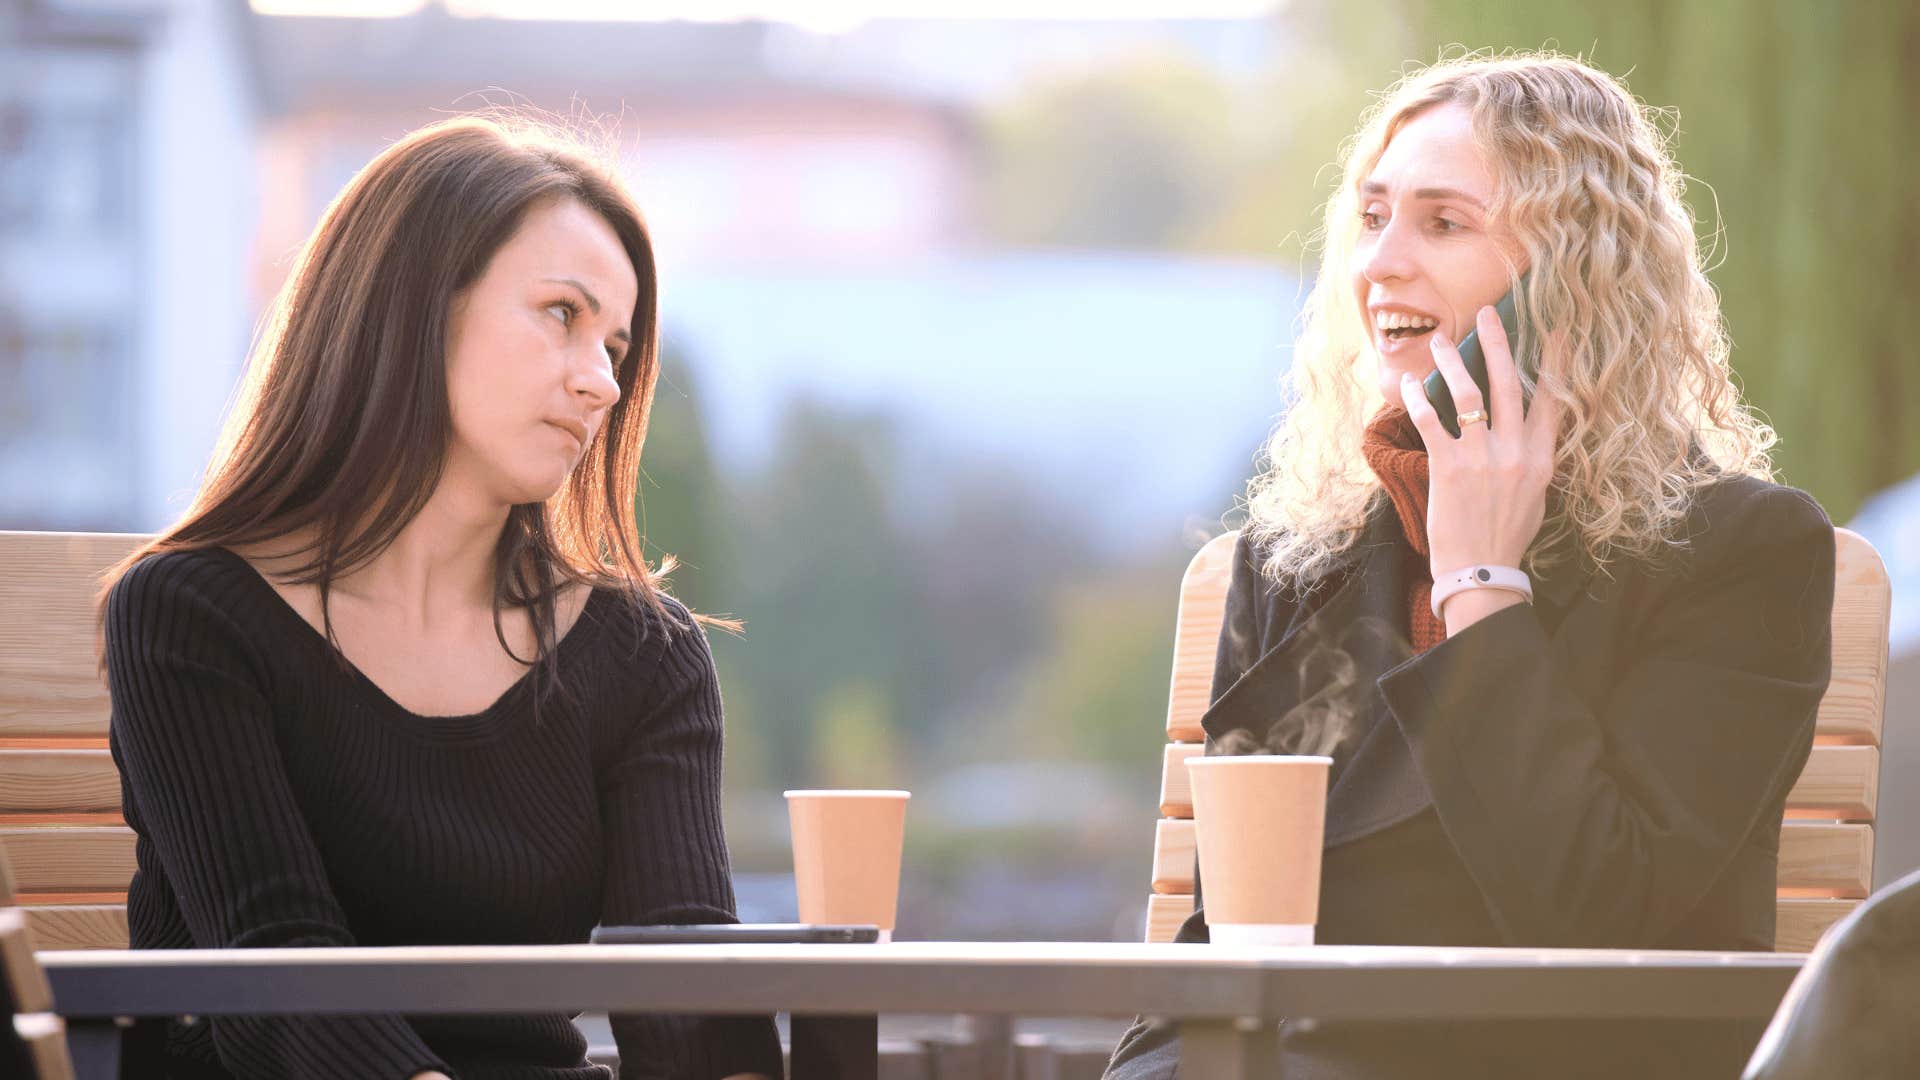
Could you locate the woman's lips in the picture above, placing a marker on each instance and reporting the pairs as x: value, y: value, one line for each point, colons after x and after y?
x: 1387, y: 343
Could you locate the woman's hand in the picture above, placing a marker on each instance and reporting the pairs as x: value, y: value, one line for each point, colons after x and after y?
x: 429, y: 1075
x: 1487, y: 490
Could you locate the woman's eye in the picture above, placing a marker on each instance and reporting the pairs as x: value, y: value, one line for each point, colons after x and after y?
x: 1369, y: 219
x: 563, y: 311
x: 1445, y: 225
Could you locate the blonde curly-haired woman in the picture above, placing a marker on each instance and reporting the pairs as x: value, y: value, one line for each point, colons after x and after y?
x: 1591, y: 743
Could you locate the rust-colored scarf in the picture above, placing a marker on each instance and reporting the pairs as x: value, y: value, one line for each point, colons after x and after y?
x: 1397, y: 456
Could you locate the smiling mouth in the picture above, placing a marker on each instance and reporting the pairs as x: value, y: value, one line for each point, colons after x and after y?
x: 1398, y: 326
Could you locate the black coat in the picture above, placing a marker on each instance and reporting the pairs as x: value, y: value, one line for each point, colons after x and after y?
x: 1607, y: 767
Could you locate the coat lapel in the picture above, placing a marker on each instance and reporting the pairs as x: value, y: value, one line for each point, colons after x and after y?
x: 1315, y: 692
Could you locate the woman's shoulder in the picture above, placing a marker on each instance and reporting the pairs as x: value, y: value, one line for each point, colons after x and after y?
x: 636, y: 625
x: 646, y: 662
x: 1737, y: 512
x: 199, y: 579
x: 203, y: 606
x: 1750, y: 535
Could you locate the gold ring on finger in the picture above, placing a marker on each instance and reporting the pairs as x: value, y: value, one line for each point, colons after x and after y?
x: 1477, y: 416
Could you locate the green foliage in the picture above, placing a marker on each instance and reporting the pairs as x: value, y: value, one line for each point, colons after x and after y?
x: 827, y: 589
x: 854, y: 737
x: 898, y: 624
x: 1794, y: 124
x: 1098, y: 690
x: 1294, y: 121
x: 676, y: 505
x: 1131, y: 157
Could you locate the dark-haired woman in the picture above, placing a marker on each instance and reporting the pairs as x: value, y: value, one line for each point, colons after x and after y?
x: 400, y: 676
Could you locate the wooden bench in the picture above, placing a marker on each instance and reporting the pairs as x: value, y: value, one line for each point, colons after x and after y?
x: 60, y: 823
x: 34, y: 1044
x: 1826, y: 842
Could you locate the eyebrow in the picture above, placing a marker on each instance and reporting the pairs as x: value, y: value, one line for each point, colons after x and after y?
x: 1375, y: 187
x: 592, y: 302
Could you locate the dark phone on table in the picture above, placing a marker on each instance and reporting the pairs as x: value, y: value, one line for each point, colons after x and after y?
x: 1471, y: 355
x: 736, y: 934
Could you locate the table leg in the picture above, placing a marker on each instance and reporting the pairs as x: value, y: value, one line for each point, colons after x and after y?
x: 94, y: 1045
x: 1227, y: 1049
x: 993, y: 1034
x: 835, y: 1047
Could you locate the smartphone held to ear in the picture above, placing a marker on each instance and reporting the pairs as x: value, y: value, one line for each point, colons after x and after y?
x: 1473, y: 356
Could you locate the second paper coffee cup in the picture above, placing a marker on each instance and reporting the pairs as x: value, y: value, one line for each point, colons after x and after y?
x: 1259, y: 825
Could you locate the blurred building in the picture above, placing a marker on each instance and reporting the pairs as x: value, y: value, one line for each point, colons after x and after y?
x: 126, y: 217
x: 735, y: 156
x: 811, y: 197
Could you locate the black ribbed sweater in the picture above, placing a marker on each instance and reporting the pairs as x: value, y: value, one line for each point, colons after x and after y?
x: 280, y: 798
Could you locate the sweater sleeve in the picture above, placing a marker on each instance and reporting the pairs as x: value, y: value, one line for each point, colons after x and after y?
x: 1603, y: 822
x: 193, y: 736
x: 666, y: 859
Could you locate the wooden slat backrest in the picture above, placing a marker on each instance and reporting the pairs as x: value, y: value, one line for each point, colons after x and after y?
x: 60, y: 821
x: 56, y: 782
x: 1196, y: 637
x: 1826, y: 845
x: 33, y: 1043
x: 49, y: 664
x: 64, y: 860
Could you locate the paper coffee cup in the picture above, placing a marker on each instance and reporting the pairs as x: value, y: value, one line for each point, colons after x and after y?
x: 1259, y: 825
x: 846, y: 855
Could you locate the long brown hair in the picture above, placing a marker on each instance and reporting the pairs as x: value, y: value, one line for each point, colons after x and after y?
x: 342, y: 423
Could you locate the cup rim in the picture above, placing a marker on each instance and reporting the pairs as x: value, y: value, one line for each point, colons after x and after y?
x: 847, y: 793
x: 1317, y: 759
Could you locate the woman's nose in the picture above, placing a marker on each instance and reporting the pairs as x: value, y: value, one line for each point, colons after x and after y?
x: 595, y: 382
x: 1389, y: 257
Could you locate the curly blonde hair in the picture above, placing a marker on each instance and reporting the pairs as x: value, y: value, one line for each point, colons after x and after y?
x: 1639, y: 356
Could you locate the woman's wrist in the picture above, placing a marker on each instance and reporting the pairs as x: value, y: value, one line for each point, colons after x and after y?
x: 1463, y: 609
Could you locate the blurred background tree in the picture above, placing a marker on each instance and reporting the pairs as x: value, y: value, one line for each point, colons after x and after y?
x: 1795, y: 122
x: 1128, y: 156
x: 1792, y: 120
x: 677, y: 506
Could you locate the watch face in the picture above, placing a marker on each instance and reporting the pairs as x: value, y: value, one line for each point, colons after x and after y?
x: 1485, y: 575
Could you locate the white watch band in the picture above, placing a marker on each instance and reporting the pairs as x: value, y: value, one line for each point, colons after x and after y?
x: 1504, y: 578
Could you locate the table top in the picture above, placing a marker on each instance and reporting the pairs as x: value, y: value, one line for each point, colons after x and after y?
x: 1027, y: 978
